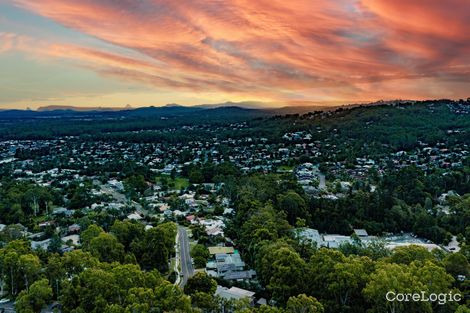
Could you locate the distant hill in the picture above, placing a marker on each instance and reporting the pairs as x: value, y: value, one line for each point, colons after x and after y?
x: 384, y: 119
x: 248, y: 108
x: 80, y: 109
x: 48, y: 124
x: 275, y: 108
x: 243, y: 104
x: 171, y: 110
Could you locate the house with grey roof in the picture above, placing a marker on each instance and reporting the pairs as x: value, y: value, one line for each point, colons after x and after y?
x: 235, y: 293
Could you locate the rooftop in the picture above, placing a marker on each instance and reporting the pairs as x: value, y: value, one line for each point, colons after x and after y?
x: 221, y: 250
x: 233, y: 293
x: 361, y: 232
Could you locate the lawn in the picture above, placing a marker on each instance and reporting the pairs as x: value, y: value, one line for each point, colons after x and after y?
x: 177, y: 183
x: 285, y: 168
x: 180, y: 183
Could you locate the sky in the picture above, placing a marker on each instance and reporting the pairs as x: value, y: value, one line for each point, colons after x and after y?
x: 150, y: 52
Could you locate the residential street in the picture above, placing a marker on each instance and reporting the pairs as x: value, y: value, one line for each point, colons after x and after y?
x: 322, y: 183
x: 7, y: 307
x: 187, y: 269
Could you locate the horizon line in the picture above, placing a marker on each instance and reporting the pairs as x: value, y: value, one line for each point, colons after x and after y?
x: 242, y: 104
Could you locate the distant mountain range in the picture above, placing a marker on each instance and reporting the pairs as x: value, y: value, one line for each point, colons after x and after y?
x: 248, y: 108
x: 53, y: 122
x: 80, y: 109
x: 245, y: 105
x: 144, y: 112
x: 239, y: 108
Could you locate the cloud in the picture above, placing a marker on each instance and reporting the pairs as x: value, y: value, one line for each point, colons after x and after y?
x: 11, y: 41
x: 344, y: 49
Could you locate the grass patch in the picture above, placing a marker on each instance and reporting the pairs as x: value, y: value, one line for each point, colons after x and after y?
x: 180, y: 183
x: 177, y: 183
x: 285, y: 168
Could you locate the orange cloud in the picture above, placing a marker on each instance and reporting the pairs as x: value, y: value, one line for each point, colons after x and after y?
x: 306, y: 49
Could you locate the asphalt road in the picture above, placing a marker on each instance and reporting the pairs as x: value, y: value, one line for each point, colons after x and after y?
x: 8, y: 307
x: 187, y: 269
x: 322, y: 182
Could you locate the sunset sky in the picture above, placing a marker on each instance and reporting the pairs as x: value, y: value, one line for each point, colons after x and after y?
x: 150, y: 52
